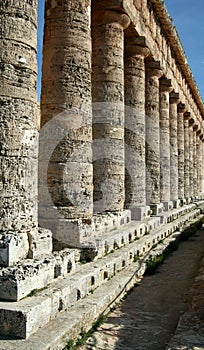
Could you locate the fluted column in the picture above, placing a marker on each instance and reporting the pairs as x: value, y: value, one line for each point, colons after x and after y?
x: 135, y: 179
x: 191, y: 170
x: 19, y: 120
x: 108, y: 108
x: 199, y: 164
x: 195, y: 164
x: 164, y: 88
x: 186, y: 156
x: 174, y: 100
x: 153, y: 73
x: 66, y: 172
x: 181, y: 110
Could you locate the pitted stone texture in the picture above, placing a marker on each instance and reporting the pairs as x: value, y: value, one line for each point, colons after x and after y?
x: 66, y: 90
x: 164, y: 126
x: 153, y: 73
x: 108, y: 108
x: 174, y: 100
x: 180, y: 126
x: 33, y: 274
x: 135, y: 178
x: 19, y: 119
x: 13, y: 247
x: 40, y: 242
x: 186, y: 156
x: 191, y: 170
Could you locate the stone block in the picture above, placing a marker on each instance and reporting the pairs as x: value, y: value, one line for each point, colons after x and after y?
x: 14, y: 246
x: 156, y: 208
x: 139, y: 213
x: 168, y: 205
x: 40, y: 242
x: 18, y: 281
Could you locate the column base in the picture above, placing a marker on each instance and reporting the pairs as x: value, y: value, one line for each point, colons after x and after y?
x: 176, y: 203
x: 140, y: 213
x: 76, y: 233
x: 156, y: 208
x: 168, y: 205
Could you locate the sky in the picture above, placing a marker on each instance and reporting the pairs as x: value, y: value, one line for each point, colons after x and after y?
x: 188, y: 18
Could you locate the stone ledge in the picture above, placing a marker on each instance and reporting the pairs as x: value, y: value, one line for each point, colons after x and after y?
x: 68, y: 324
x: 18, y: 281
x: 65, y: 292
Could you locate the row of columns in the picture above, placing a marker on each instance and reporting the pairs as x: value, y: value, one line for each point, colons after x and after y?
x: 134, y: 145
x: 145, y: 150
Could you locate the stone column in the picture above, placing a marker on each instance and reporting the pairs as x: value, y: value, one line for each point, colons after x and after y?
x: 153, y: 73
x: 174, y: 100
x: 195, y: 163
x: 165, y: 88
x: 191, y: 170
x: 199, y: 165
x: 19, y: 120
x: 180, y: 126
x: 135, y: 180
x: 66, y: 192
x: 108, y: 108
x: 186, y: 157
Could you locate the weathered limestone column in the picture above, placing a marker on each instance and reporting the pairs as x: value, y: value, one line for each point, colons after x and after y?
x: 164, y: 89
x: 174, y: 100
x: 186, y: 156
x: 191, y: 170
x: 199, y: 164
x: 135, y: 180
x: 108, y: 107
x: 195, y: 164
x: 180, y: 126
x: 19, y: 120
x: 153, y: 73
x: 66, y: 120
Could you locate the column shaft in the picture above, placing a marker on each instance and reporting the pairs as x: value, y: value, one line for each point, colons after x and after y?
x: 18, y: 132
x: 199, y: 167
x: 186, y: 156
x: 195, y: 164
x: 191, y: 170
x: 165, y: 89
x: 181, y: 110
x: 152, y: 134
x: 66, y: 111
x: 135, y: 179
x: 174, y: 99
x: 108, y: 109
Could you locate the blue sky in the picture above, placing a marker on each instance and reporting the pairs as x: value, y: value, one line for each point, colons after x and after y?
x: 188, y: 17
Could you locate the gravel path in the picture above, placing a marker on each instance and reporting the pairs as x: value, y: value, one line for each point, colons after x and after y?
x: 148, y: 317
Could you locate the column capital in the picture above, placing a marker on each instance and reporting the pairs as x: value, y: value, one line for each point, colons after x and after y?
x: 191, y: 121
x: 165, y: 85
x: 153, y: 68
x: 198, y: 132
x: 136, y: 50
x: 174, y: 97
x: 181, y: 107
x: 103, y: 17
x: 195, y: 127
x: 187, y: 115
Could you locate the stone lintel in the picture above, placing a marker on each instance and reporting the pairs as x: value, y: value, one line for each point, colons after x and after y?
x: 174, y: 97
x: 103, y: 17
x: 108, y: 5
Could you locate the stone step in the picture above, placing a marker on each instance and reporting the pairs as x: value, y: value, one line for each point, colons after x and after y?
x: 20, y: 280
x: 68, y: 324
x: 66, y: 292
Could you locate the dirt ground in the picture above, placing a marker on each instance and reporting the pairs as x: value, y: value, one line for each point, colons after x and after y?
x: 148, y: 317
